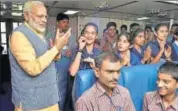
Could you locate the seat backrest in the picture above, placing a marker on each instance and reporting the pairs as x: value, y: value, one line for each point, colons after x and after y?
x: 138, y: 80
x: 84, y: 80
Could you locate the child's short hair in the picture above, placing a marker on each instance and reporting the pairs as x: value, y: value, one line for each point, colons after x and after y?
x: 160, y: 25
x: 135, y: 34
x: 62, y: 16
x: 127, y: 36
x: 90, y: 24
x: 170, y: 68
x: 109, y: 24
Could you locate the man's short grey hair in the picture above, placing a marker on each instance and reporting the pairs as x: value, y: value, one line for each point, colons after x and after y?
x: 109, y: 55
x: 29, y: 4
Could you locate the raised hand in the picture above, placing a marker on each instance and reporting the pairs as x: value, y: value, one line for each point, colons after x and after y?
x: 61, y: 39
x: 126, y: 59
x: 167, y: 52
x: 91, y: 61
x: 82, y: 42
x: 162, y: 44
x: 147, y: 54
x: 68, y: 53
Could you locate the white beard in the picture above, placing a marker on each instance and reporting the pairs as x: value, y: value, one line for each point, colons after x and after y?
x: 37, y: 27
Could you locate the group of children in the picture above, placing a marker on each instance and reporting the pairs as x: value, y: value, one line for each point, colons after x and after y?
x: 134, y: 48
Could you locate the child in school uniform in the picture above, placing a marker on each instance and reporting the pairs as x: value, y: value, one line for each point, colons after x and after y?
x: 123, y: 50
x: 138, y: 40
x: 174, y: 55
x: 160, y: 48
x: 165, y: 98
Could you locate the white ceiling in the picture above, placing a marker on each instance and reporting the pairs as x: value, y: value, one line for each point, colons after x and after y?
x: 121, y: 9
